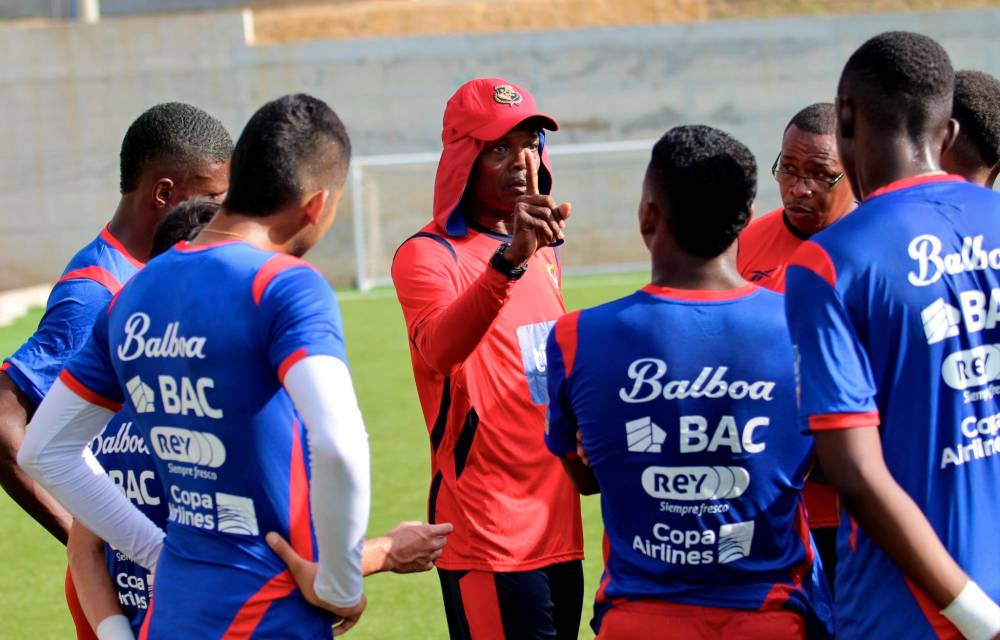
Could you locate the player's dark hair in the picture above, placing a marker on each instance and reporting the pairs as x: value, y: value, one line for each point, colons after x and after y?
x: 819, y: 118
x: 183, y: 223
x: 976, y: 106
x: 292, y: 145
x: 903, y: 79
x: 172, y: 131
x: 709, y: 181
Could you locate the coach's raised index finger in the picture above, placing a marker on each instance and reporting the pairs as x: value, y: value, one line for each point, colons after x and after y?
x: 532, y: 170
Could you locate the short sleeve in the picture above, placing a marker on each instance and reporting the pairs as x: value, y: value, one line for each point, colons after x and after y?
x: 90, y: 373
x: 302, y: 318
x: 70, y: 313
x: 836, y: 386
x: 560, y: 431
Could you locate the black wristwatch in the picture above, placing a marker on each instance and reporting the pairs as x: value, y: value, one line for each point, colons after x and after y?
x: 504, y: 266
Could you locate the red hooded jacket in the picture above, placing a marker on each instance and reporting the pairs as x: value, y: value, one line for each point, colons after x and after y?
x: 477, y: 343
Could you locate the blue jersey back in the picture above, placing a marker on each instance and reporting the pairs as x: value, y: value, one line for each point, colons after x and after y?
x: 91, y: 278
x: 198, y: 344
x: 686, y: 405
x: 894, y: 311
x: 126, y: 457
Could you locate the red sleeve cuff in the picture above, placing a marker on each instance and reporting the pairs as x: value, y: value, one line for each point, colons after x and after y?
x: 834, y: 421
x: 79, y: 389
x: 289, y: 361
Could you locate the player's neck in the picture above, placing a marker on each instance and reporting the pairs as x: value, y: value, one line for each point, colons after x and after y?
x: 226, y: 226
x: 888, y: 163
x: 681, y: 271
x: 133, y: 228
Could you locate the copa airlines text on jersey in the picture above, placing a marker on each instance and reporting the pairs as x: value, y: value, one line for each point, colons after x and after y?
x: 926, y: 250
x: 646, y: 373
x: 170, y: 345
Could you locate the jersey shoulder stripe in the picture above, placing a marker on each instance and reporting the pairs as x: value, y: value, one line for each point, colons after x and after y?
x: 98, y: 274
x: 270, y: 270
x: 444, y: 242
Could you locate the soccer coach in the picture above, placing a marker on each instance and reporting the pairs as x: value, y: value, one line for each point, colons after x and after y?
x: 480, y: 288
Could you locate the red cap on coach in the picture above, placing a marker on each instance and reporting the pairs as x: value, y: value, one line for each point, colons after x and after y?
x: 487, y: 108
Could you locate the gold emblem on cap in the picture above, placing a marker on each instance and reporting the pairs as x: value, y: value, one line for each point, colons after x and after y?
x: 506, y: 94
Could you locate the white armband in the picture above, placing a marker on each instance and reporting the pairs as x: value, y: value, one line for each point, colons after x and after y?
x: 115, y: 627
x: 974, y: 613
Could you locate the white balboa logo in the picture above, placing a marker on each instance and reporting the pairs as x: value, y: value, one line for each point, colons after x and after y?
x: 931, y: 265
x: 170, y: 345
x: 121, y: 441
x: 646, y: 373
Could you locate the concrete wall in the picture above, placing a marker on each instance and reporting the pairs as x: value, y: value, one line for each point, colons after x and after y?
x: 69, y: 8
x: 70, y: 91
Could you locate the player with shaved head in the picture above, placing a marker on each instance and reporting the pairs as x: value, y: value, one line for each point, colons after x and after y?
x: 976, y: 152
x: 684, y: 397
x: 893, y: 315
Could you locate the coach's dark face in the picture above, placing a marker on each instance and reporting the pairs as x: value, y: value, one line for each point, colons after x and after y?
x: 808, y: 163
x: 499, y: 176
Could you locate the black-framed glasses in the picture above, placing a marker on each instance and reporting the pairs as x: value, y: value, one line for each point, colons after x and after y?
x: 820, y: 183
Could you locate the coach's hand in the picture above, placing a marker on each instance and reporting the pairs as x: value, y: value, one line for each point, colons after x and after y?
x: 538, y: 221
x: 414, y: 546
x: 304, y: 573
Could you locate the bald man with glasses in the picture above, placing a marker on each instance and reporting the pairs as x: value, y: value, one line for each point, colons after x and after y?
x: 814, y: 195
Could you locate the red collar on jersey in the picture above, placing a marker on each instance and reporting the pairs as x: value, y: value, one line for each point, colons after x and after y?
x: 700, y: 295
x: 119, y: 247
x: 913, y: 181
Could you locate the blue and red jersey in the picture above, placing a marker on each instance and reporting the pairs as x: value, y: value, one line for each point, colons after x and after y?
x: 128, y: 461
x: 91, y: 278
x: 894, y: 312
x: 686, y: 405
x: 198, y: 344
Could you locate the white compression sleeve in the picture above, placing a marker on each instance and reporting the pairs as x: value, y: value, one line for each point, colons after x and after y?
x: 55, y: 453
x: 340, y: 495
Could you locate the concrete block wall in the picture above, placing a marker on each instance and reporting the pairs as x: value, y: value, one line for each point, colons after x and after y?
x: 70, y: 91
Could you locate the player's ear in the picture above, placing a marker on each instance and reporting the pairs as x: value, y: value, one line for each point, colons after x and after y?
x: 846, y: 115
x: 951, y: 135
x: 649, y: 217
x: 163, y: 189
x: 314, y: 205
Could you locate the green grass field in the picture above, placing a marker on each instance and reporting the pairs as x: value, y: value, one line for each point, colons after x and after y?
x: 33, y: 564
